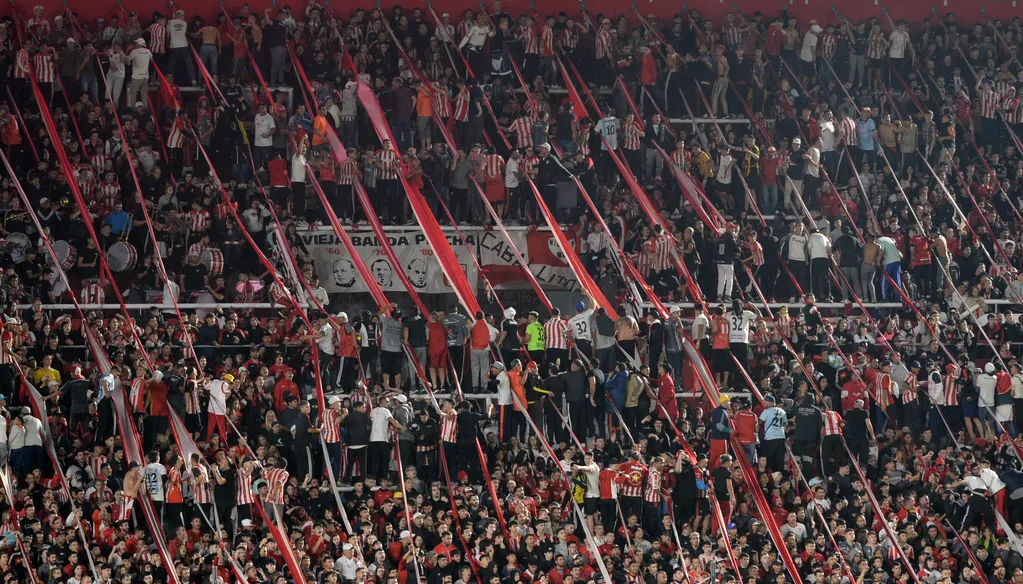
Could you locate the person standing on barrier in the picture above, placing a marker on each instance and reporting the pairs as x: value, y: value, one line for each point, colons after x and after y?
x: 858, y: 433
x: 673, y: 339
x: 809, y: 424
x: 774, y: 422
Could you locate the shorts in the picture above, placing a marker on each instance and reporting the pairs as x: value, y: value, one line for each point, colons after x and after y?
x: 439, y: 360
x: 970, y: 410
x: 390, y: 362
x: 590, y: 505
x: 722, y: 360
x: 423, y: 124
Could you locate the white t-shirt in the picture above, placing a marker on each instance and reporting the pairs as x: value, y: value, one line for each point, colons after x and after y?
x: 117, y: 63
x: 724, y: 173
x: 263, y: 124
x: 580, y: 325
x: 899, y: 40
x: 809, y: 52
x: 176, y: 34
x: 818, y: 246
x: 297, y: 168
x: 814, y: 154
x: 738, y: 331
x: 140, y: 59
x: 511, y: 177
x: 152, y: 476
x: 608, y: 128
x: 378, y: 431
x: 218, y: 389
x: 827, y: 136
x: 326, y: 340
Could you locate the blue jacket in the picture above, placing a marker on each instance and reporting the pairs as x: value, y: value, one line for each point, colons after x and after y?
x: 615, y: 386
x: 719, y: 428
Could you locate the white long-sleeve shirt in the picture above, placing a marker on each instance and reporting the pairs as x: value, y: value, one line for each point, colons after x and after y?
x: 476, y: 36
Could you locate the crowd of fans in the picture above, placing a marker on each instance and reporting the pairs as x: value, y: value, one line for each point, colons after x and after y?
x: 874, y: 161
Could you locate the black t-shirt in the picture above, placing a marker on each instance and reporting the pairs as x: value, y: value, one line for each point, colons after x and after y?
x: 855, y: 425
x: 577, y: 387
x: 194, y: 276
x: 721, y: 476
x: 564, y: 129
x: 416, y: 331
x: 511, y: 340
x: 727, y: 250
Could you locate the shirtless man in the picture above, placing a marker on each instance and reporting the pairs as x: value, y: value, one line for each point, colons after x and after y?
x: 626, y: 332
x: 130, y: 493
x: 209, y: 51
x: 719, y: 94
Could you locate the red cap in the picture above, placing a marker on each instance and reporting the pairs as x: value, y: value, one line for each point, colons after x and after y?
x: 531, y: 365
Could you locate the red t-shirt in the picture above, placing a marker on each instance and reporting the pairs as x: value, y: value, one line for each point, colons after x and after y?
x: 436, y: 338
x: 279, y: 173
x: 746, y: 427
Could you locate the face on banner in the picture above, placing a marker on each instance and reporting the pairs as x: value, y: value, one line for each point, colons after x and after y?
x: 411, y: 249
x: 539, y: 248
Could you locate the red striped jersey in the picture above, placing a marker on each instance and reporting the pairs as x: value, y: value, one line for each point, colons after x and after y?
x: 96, y: 464
x: 733, y: 35
x: 832, y: 423
x: 1011, y: 110
x: 493, y: 165
x: 603, y: 47
x: 652, y: 492
x: 331, y: 427
x: 530, y: 44
x: 44, y: 68
x: 346, y: 172
x: 191, y: 397
x: 23, y: 65
x: 547, y: 41
x: 989, y: 102
x: 529, y: 165
x: 276, y: 478
x: 176, y: 135
x: 441, y: 103
x: 630, y: 136
x: 108, y: 190
x: 464, y: 26
x: 157, y: 38
x: 827, y: 44
x: 569, y: 38
x: 243, y: 494
x: 660, y: 248
x: 522, y: 127
x: 909, y: 389
x: 847, y: 131
x: 390, y: 164
x: 756, y: 252
x: 202, y: 491
x: 556, y: 333
x: 197, y: 248
x: 362, y: 59
x: 883, y: 389
x: 631, y: 476
x: 92, y: 293
x: 98, y: 162
x: 683, y: 159
x: 875, y: 45
x: 462, y: 106
x: 5, y: 357
x: 198, y: 219
x: 448, y: 426
x: 136, y: 395
x: 951, y: 386
x: 641, y: 261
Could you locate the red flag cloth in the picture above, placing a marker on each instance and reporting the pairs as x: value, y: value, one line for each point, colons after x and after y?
x: 434, y: 234
x: 587, y: 283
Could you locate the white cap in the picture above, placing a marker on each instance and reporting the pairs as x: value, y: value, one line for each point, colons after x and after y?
x: 141, y: 42
x: 404, y: 535
x: 509, y: 312
x: 347, y: 547
x: 246, y: 523
x: 333, y: 400
x: 342, y: 315
x: 158, y: 375
x: 401, y: 399
x: 989, y: 368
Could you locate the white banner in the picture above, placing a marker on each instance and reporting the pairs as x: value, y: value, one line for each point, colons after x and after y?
x: 539, y: 249
x: 338, y: 273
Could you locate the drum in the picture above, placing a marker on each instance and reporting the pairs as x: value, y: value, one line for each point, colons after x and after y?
x: 213, y: 259
x: 66, y: 254
x: 122, y: 257
x: 16, y: 244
